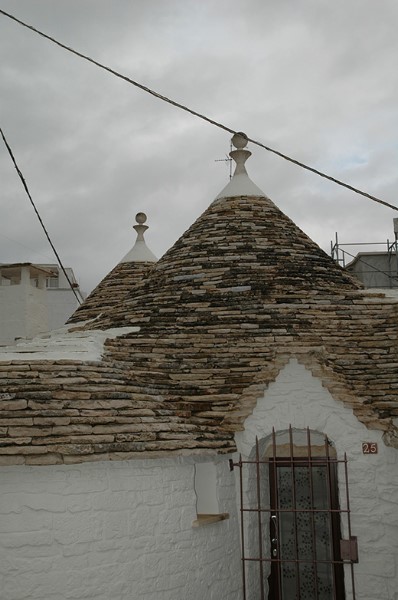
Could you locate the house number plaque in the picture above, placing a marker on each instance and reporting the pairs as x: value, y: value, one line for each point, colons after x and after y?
x: 369, y: 448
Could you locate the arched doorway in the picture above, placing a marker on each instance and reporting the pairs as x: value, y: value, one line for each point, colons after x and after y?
x: 291, y: 519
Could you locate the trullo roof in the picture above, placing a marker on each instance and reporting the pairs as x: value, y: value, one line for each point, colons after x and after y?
x: 192, y: 345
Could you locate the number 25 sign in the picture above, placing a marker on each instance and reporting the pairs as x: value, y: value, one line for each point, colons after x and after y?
x: 369, y: 448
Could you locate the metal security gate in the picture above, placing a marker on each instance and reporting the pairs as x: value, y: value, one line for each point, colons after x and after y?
x: 291, y: 521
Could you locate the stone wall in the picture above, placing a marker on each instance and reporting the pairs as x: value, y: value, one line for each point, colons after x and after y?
x: 115, y: 530
x: 298, y: 398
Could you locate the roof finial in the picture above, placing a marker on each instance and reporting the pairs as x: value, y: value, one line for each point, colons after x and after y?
x: 240, y: 184
x: 239, y: 140
x: 140, y: 228
x: 140, y: 251
x: 240, y: 155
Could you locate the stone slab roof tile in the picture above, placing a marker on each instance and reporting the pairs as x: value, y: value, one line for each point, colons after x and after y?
x: 195, y: 391
x: 217, y: 318
x: 236, y: 253
x: 111, y: 291
x: 121, y: 280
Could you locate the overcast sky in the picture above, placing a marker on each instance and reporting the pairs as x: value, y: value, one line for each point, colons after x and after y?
x: 315, y: 79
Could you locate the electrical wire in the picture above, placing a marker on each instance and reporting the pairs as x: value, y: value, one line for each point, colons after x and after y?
x: 38, y: 215
x: 197, y: 114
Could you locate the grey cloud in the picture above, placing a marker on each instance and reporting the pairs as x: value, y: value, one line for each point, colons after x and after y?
x: 313, y: 79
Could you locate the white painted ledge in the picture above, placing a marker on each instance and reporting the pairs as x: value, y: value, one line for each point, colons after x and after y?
x: 209, y: 519
x: 63, y: 344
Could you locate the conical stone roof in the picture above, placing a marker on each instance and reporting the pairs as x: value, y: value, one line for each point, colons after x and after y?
x: 242, y: 252
x: 191, y: 348
x: 121, y: 280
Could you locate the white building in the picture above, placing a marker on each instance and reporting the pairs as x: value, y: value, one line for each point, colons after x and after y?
x: 246, y: 347
x: 34, y: 298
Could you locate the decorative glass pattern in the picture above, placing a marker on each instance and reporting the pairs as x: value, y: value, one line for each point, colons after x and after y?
x: 304, y: 533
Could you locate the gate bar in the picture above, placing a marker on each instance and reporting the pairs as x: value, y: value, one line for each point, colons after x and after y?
x: 260, y: 528
x: 293, y: 476
x: 349, y: 521
x: 242, y: 527
x: 314, y: 552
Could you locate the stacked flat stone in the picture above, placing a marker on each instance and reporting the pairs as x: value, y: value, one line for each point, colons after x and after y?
x: 238, y: 295
x: 122, y: 279
x: 111, y: 291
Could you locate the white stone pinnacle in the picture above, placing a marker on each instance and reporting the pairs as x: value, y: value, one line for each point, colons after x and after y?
x: 240, y: 184
x: 140, y: 251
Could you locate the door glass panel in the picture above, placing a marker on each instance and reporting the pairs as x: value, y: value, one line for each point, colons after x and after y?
x: 305, y: 539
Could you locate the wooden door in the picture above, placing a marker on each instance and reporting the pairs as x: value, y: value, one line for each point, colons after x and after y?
x: 304, y: 531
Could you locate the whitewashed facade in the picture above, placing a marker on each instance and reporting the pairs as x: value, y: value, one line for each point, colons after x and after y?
x: 125, y: 529
x: 34, y: 299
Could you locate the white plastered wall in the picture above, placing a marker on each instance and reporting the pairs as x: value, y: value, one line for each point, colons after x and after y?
x: 23, y: 312
x: 61, y: 305
x: 115, y: 530
x: 297, y: 398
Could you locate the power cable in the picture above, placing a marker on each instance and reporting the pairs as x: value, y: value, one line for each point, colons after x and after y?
x: 197, y: 114
x: 38, y: 215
